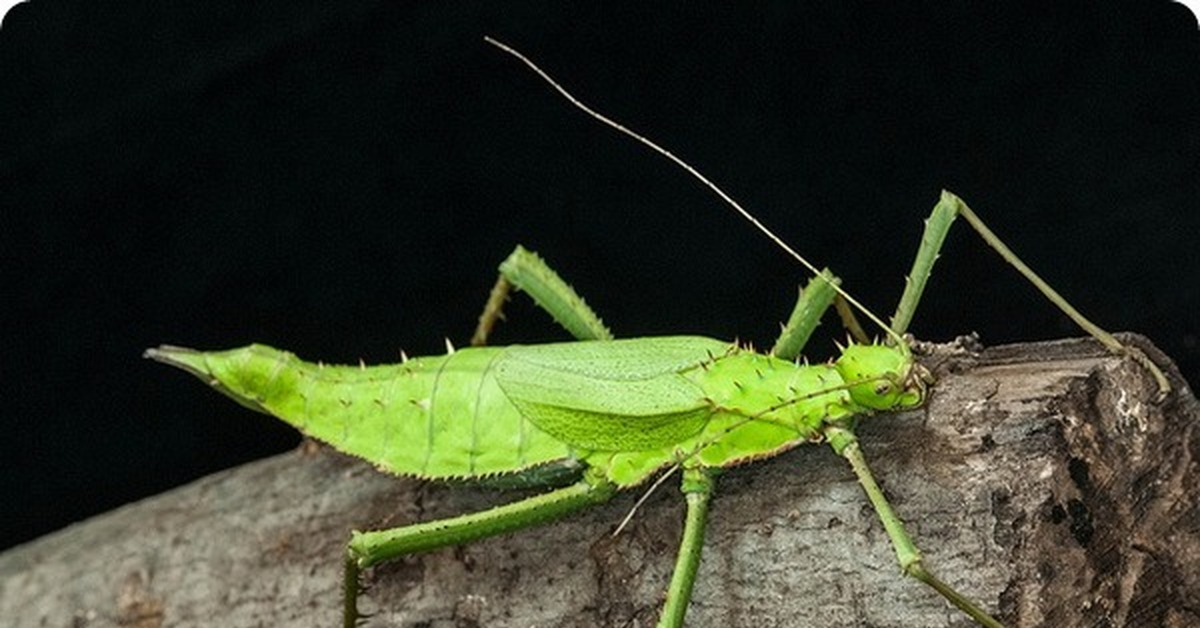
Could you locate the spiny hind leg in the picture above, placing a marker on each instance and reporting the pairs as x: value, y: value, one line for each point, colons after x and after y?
x: 936, y: 228
x: 526, y: 271
x: 371, y: 548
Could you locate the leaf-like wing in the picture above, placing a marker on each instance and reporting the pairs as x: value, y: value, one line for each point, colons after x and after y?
x: 620, y: 395
x: 622, y: 360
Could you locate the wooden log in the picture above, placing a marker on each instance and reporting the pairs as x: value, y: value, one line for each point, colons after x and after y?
x: 1041, y: 479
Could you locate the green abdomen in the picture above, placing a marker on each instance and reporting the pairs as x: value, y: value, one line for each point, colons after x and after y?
x: 435, y: 417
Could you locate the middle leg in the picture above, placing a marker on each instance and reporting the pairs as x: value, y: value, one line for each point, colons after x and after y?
x: 697, y: 489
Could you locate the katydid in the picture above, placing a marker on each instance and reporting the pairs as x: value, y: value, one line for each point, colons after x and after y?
x: 599, y: 415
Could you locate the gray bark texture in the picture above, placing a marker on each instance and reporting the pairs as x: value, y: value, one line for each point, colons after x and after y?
x: 1041, y: 480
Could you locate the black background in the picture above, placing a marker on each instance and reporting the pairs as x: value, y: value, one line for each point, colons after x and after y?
x: 341, y: 179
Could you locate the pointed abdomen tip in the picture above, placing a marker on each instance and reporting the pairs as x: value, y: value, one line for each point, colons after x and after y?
x: 181, y: 357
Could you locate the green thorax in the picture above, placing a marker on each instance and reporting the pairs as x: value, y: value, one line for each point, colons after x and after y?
x: 761, y: 406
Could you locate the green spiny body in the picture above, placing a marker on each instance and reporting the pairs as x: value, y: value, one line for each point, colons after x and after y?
x: 627, y: 407
x: 620, y: 410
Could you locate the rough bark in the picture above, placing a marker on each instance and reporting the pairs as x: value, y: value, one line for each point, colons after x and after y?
x: 1041, y: 479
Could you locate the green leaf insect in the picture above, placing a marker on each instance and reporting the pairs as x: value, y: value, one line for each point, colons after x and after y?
x: 599, y: 415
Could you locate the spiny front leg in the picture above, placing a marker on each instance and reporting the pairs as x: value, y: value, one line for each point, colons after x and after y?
x: 936, y: 228
x: 845, y: 443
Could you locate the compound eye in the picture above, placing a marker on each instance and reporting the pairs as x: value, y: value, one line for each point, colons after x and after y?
x: 883, y: 389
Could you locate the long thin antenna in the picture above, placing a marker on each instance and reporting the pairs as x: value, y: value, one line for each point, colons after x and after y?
x: 696, y: 174
x: 641, y: 500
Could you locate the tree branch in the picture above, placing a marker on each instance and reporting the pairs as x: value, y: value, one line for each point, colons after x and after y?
x: 1040, y: 480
